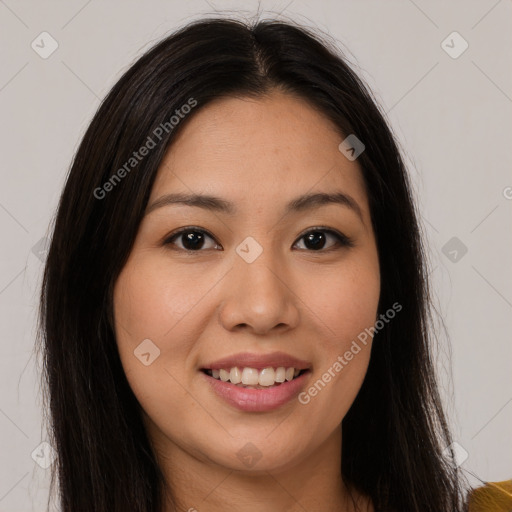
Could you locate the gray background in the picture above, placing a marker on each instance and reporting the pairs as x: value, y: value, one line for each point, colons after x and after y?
x: 451, y: 115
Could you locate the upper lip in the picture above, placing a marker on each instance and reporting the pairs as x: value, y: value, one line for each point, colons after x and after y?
x: 258, y: 361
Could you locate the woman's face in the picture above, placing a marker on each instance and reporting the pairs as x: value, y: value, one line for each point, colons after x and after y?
x: 259, y: 277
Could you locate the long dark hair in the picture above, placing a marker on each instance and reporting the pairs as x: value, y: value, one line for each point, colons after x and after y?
x: 394, y: 433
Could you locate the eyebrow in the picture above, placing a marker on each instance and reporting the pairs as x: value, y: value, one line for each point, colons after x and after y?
x: 298, y: 204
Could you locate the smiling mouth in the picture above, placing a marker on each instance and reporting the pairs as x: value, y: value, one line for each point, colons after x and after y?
x: 254, y: 379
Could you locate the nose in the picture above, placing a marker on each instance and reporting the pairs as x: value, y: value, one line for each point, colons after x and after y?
x: 259, y: 296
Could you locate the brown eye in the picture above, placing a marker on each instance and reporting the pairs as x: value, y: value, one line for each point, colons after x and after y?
x: 315, y: 239
x: 192, y: 239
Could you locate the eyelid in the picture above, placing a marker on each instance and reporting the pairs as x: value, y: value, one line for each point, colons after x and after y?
x: 343, y: 240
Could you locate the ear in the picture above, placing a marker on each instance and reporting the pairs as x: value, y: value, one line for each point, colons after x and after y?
x: 492, y: 497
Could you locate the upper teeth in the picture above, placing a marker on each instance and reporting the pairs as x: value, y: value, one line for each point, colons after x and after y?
x: 253, y: 377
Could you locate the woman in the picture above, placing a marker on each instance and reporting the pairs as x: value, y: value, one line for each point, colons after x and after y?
x: 235, y: 306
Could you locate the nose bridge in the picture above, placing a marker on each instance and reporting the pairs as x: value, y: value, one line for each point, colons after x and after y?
x: 260, y: 296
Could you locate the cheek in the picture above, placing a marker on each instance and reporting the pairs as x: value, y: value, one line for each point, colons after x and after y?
x: 345, y: 307
x: 161, y: 303
x: 345, y: 302
x: 145, y: 308
x: 154, y: 302
x: 147, y: 299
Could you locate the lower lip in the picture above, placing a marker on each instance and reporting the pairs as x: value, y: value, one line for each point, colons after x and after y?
x: 257, y: 400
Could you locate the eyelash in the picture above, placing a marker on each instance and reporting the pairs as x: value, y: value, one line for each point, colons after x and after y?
x: 343, y: 240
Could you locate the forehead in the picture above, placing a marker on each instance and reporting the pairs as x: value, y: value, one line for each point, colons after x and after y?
x: 257, y: 153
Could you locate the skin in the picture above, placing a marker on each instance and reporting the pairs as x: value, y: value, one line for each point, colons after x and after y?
x: 199, y: 307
